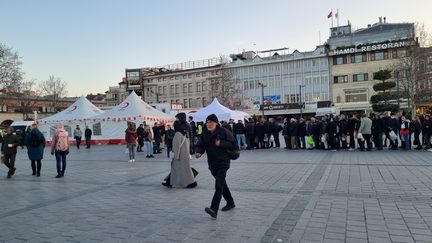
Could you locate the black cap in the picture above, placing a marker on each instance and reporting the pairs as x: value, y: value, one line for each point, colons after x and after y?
x: 213, y: 118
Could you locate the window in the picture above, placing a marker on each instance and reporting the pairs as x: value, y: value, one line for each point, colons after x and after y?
x: 338, y: 60
x: 177, y: 89
x: 185, y: 103
x: 204, y: 101
x: 198, y: 75
x: 356, y: 95
x: 185, y: 88
x: 341, y: 79
x: 198, y: 87
x: 338, y: 99
x: 97, y: 130
x: 189, y: 87
x: 172, y: 78
x: 189, y: 75
x: 164, y: 90
x: 400, y: 53
x: 172, y: 90
x: 177, y: 77
x: 358, y: 58
x: 379, y: 55
x: 360, y: 77
x: 204, y: 87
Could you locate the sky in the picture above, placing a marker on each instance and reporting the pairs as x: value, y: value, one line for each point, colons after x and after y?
x: 90, y: 43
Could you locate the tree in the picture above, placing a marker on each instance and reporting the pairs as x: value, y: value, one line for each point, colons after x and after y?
x: 224, y: 86
x: 54, y: 88
x: 407, y: 69
x: 11, y: 74
x: 382, y: 100
x: 28, y: 96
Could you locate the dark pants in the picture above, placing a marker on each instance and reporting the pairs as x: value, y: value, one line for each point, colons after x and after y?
x: 78, y: 142
x: 331, y: 141
x: 36, y: 164
x: 317, y: 141
x: 250, y: 140
x: 140, y: 144
x: 156, y: 146
x: 88, y: 142
x: 352, y: 140
x: 287, y: 141
x: 169, y: 147
x: 276, y: 139
x: 9, y: 161
x: 221, y: 188
x: 367, y: 139
x: 427, y: 140
x: 261, y: 143
x: 61, y: 161
x: 192, y: 145
x: 378, y: 140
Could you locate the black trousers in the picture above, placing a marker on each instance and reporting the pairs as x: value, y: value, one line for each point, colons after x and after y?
x: 9, y: 161
x: 88, y: 142
x: 367, y: 138
x: 221, y: 188
x: 352, y: 140
x: 276, y: 139
x: 250, y: 140
x: 78, y: 141
x: 36, y: 166
x: 287, y: 141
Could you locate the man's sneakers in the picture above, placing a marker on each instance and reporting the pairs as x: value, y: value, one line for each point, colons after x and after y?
x: 210, y: 212
x: 228, y: 207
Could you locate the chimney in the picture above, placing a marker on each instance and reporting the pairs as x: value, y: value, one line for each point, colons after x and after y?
x: 384, y: 20
x: 380, y: 20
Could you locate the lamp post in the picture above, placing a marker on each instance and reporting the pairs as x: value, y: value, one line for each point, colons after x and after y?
x: 301, y: 101
x: 262, y: 96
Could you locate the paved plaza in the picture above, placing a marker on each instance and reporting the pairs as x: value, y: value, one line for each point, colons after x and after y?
x: 281, y: 196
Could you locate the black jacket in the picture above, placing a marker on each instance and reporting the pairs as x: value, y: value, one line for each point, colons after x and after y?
x: 88, y: 133
x: 239, y: 128
x: 302, y: 129
x: 286, y: 129
x: 217, y: 156
x: 378, y: 126
x: 293, y: 130
x: 259, y: 130
x: 250, y: 129
x: 10, y: 144
x: 393, y: 124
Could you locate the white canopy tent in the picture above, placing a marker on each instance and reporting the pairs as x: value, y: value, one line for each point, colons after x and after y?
x: 79, y: 113
x: 223, y: 113
x: 132, y: 109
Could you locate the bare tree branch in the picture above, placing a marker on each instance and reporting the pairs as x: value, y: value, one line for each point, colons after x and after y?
x: 53, y: 88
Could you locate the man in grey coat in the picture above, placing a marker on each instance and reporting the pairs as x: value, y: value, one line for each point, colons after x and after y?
x: 366, y: 131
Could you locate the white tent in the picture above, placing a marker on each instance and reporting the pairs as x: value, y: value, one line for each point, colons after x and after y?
x: 223, y: 113
x: 132, y: 109
x: 79, y: 113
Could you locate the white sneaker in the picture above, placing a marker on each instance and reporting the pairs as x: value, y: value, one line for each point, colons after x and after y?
x: 130, y: 161
x: 133, y: 160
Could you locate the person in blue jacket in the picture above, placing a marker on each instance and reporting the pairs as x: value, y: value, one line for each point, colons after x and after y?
x: 35, y: 142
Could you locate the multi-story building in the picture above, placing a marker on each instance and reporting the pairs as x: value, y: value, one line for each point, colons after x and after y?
x: 424, y: 81
x: 284, y: 81
x: 355, y: 56
x: 116, y: 94
x: 185, y: 85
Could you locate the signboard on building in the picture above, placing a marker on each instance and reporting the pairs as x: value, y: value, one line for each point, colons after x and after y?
x: 272, y: 99
x: 133, y: 79
x: 370, y: 47
x: 273, y: 107
x: 176, y: 106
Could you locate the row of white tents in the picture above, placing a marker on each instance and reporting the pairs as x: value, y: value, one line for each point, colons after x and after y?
x: 109, y: 126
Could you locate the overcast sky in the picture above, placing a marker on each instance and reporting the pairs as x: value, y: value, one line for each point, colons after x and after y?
x: 89, y: 43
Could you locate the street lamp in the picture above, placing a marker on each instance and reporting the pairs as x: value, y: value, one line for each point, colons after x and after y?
x: 262, y: 96
x: 301, y: 101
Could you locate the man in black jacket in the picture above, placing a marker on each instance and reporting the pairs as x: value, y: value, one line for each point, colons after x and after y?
x: 393, y: 125
x: 286, y: 133
x: 378, y: 131
x: 427, y: 131
x: 216, y: 141
x: 250, y: 134
x: 239, y: 130
x: 352, y: 126
x: 274, y: 131
x: 88, y: 133
x: 9, y: 150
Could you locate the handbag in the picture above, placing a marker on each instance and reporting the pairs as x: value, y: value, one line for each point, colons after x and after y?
x: 310, y: 140
x: 360, y: 136
x: 393, y: 135
x: 233, y: 154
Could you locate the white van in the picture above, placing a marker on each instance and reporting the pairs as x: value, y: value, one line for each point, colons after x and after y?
x: 23, y: 126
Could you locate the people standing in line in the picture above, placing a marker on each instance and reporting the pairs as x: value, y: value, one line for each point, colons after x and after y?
x: 302, y: 133
x: 157, y: 138
x: 216, y: 142
x: 140, y: 134
x: 416, y: 129
x: 343, y: 131
x: 148, y: 142
x: 259, y: 133
x: 88, y: 134
x: 9, y: 150
x: 294, y: 133
x: 427, y: 131
x: 332, y: 133
x: 169, y: 137
x: 365, y: 130
x: 405, y: 133
x: 239, y: 131
x: 181, y: 174
x: 77, y: 135
x: 286, y: 133
x: 60, y: 148
x: 352, y: 120
x: 378, y: 127
x: 131, y: 140
x: 35, y: 142
x: 274, y: 131
x: 250, y: 134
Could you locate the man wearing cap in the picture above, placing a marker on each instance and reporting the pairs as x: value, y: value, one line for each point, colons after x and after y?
x: 216, y: 141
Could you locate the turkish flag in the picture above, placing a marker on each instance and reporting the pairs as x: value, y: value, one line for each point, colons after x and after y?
x: 330, y: 14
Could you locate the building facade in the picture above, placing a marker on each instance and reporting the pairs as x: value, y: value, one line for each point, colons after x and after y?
x: 424, y: 82
x: 355, y: 56
x: 286, y: 80
x: 184, y: 85
x: 116, y: 94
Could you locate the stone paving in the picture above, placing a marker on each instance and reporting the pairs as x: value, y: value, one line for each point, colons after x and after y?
x: 281, y: 196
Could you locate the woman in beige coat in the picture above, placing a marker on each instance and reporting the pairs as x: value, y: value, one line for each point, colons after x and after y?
x: 182, y: 175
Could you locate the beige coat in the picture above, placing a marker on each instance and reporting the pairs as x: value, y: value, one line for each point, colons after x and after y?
x: 181, y: 172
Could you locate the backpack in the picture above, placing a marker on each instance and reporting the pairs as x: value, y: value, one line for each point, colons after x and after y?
x: 62, y: 140
x: 34, y: 140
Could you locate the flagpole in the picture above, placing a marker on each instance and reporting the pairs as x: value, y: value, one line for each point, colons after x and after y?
x: 332, y: 17
x: 337, y: 17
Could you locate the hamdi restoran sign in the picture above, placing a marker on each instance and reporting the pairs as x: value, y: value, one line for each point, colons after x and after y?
x: 371, y: 47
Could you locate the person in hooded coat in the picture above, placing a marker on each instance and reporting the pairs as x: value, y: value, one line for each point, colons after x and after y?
x: 35, y: 142
x: 181, y: 174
